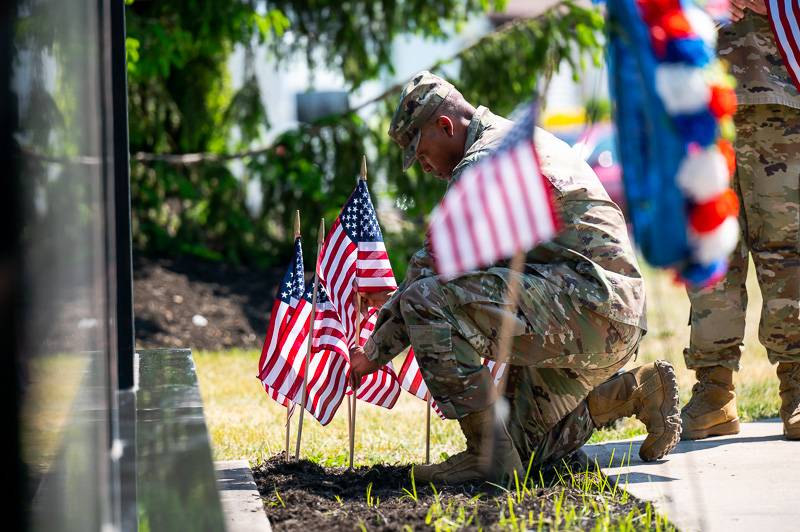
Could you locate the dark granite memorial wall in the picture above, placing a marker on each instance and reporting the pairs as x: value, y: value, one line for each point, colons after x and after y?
x: 62, y: 154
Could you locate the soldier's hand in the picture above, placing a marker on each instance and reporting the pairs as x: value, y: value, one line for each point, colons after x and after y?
x: 360, y: 365
x: 374, y: 299
x: 738, y: 7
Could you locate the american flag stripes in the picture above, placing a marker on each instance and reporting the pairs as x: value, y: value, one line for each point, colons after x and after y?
x: 354, y: 252
x: 411, y: 377
x: 280, y: 365
x: 278, y: 398
x: 784, y: 17
x: 380, y: 388
x: 328, y: 364
x: 498, y: 207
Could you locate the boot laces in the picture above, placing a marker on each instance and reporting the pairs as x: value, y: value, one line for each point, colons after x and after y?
x: 697, y: 391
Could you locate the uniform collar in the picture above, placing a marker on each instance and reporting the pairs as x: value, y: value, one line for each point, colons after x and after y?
x: 475, y: 128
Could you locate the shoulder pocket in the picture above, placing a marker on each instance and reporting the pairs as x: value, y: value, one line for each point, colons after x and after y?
x: 434, y: 338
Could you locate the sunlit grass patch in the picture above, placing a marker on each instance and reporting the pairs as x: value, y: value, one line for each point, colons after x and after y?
x: 245, y: 423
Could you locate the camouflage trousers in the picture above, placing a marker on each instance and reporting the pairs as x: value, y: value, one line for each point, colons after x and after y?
x: 560, y: 352
x: 767, y: 181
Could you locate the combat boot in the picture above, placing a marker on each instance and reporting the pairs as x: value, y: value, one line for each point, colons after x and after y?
x: 650, y: 393
x: 789, y: 375
x: 712, y: 409
x: 477, y: 462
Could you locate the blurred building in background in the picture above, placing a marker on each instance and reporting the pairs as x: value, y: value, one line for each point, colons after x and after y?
x: 292, y: 93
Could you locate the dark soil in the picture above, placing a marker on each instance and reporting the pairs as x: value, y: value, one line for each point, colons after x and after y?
x: 235, y: 301
x: 305, y: 496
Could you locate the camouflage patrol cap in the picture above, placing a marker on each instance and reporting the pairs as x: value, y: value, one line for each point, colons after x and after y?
x: 419, y: 100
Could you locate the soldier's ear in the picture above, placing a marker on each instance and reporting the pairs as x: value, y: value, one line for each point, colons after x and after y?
x: 446, y: 125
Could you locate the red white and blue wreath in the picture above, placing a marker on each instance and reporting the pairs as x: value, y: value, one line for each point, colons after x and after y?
x: 674, y: 106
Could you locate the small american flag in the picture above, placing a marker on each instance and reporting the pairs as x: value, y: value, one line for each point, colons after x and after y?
x: 784, y: 16
x: 282, y: 357
x: 379, y: 388
x: 382, y: 387
x: 327, y: 366
x: 354, y: 251
x: 498, y: 207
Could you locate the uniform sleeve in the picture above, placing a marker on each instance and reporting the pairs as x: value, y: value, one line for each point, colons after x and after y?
x: 390, y: 336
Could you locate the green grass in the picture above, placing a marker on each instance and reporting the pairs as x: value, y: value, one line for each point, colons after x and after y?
x: 244, y: 423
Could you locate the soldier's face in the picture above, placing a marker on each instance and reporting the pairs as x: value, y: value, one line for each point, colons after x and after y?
x: 441, y: 147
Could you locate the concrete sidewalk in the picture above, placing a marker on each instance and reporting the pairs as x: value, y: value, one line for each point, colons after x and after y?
x: 243, y: 507
x: 749, y: 481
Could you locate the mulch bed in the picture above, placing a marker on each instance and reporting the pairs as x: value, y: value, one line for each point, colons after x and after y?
x: 234, y: 302
x: 305, y: 496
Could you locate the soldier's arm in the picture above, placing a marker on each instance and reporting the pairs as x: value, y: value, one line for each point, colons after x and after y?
x: 389, y: 338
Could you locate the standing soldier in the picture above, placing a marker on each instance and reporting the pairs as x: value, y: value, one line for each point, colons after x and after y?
x: 767, y: 182
x: 579, y: 320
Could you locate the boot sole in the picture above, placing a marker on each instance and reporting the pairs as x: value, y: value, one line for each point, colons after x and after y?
x: 672, y: 421
x: 723, y: 429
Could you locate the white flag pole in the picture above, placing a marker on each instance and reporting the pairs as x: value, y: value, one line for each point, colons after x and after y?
x: 288, y: 428
x: 357, y: 303
x: 428, y: 431
x: 504, y: 344
x: 512, y: 298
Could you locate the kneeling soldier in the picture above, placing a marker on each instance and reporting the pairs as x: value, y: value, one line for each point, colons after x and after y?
x: 579, y: 320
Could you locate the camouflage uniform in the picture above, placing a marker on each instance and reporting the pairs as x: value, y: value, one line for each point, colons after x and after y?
x: 579, y: 320
x: 767, y: 181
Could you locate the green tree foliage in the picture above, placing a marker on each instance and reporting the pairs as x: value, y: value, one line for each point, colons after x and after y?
x: 181, y: 102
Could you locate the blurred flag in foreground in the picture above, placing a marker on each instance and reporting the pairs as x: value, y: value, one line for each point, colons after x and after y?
x: 498, y: 207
